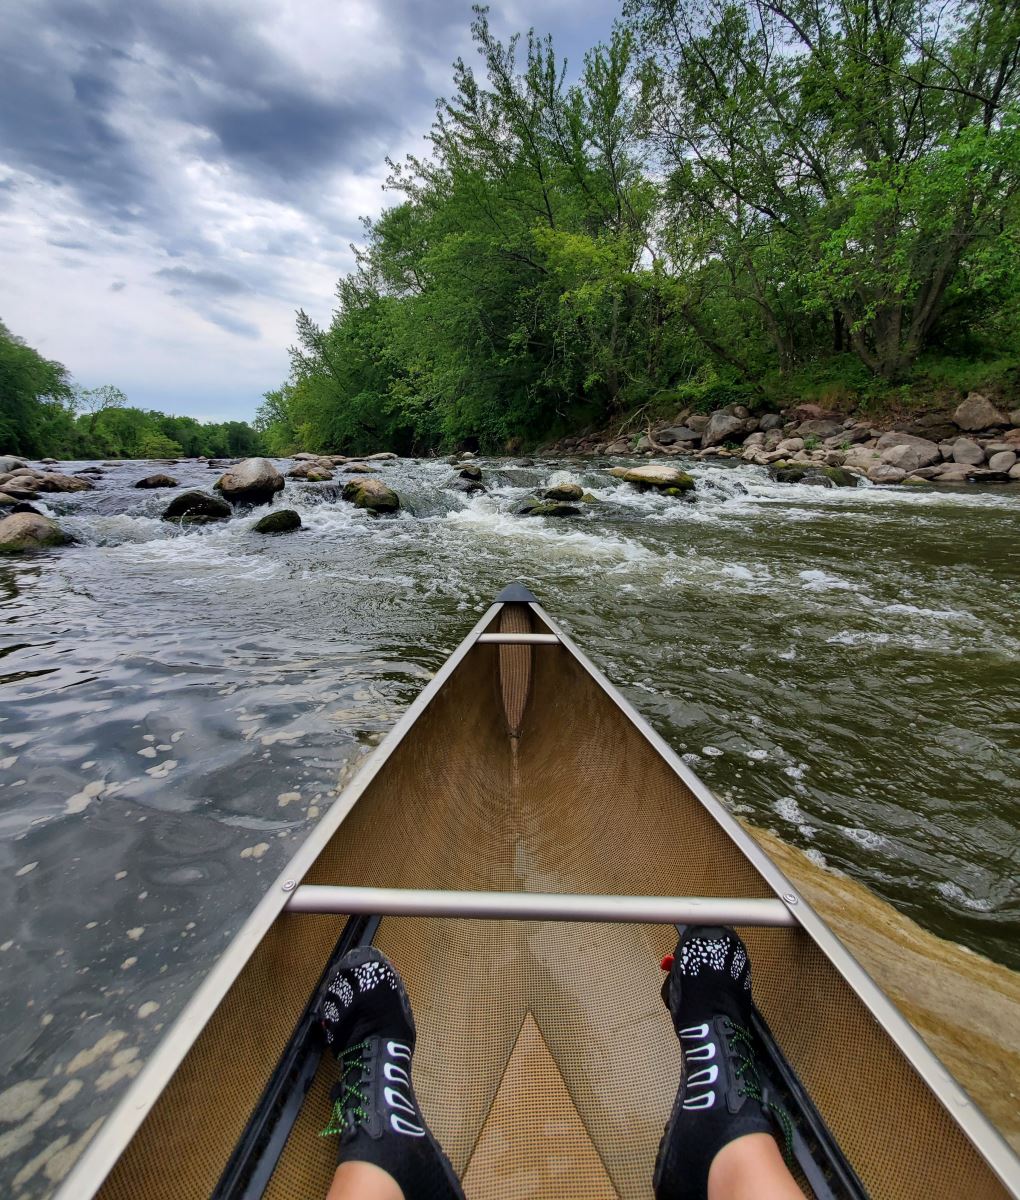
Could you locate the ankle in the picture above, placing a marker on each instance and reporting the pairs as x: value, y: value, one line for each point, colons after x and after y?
x: 751, y: 1168
x: 363, y: 1181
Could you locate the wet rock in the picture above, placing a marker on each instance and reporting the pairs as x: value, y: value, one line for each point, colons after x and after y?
x: 23, y: 507
x: 157, y: 481
x: 357, y: 468
x: 196, y: 508
x: 953, y: 473
x: 90, y: 471
x: 722, y: 427
x: 884, y: 473
x: 372, y: 494
x: 9, y: 463
x: 6, y: 500
x: 928, y: 473
x: 253, y: 481
x: 280, y: 520
x: 813, y: 476
x: 29, y: 531
x: 381, y: 456
x: 63, y: 483
x: 304, y: 456
x: 48, y: 461
x: 770, y: 421
x: 468, y: 486
x: 818, y: 428
x: 1014, y: 472
x: 588, y: 498
x: 548, y: 508
x: 318, y: 475
x: 466, y: 454
x: 682, y: 435
x: 967, y: 453
x: 1003, y: 460
x: 564, y: 491
x: 978, y: 412
x: 984, y: 475
x: 471, y: 472
x: 300, y: 471
x: 654, y: 477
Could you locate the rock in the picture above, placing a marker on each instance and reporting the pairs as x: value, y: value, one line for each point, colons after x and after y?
x: 157, y: 481
x: 1004, y: 460
x: 29, y: 531
x: 466, y: 454
x: 471, y: 472
x: 932, y: 426
x: 770, y: 421
x: 698, y: 422
x: 819, y: 429
x: 926, y: 452
x: 967, y: 453
x: 677, y: 433
x: 884, y: 473
x: 1014, y: 472
x: 620, y: 446
x: 657, y: 477
x: 952, y: 473
x: 372, y: 494
x: 862, y: 457
x: 978, y: 412
x: 196, y: 508
x: 467, y: 486
x: 907, y: 458
x: 928, y: 472
x: 851, y: 435
x: 644, y: 442
x: 48, y: 461
x: 300, y: 471
x: 280, y: 520
x: 548, y: 508
x: 304, y: 456
x: 63, y: 483
x: 814, y: 412
x: 358, y: 468
x: 814, y: 476
x: 754, y: 439
x: 564, y: 491
x: 984, y: 475
x: 253, y: 481
x: 1014, y: 417
x: 318, y: 475
x: 722, y: 427
x: 790, y: 445
x: 90, y: 471
x: 9, y: 463
x: 381, y: 456
x: 5, y: 499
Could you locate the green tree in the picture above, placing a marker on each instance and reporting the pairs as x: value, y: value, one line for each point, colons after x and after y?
x: 35, y: 394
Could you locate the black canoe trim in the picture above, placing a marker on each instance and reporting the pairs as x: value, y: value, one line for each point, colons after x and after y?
x: 515, y: 593
x: 251, y: 1165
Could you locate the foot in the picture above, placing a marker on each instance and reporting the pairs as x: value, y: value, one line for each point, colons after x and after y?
x: 369, y: 1027
x: 721, y: 1096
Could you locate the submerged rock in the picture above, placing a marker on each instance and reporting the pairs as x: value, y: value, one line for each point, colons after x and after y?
x: 654, y: 477
x: 372, y: 494
x: 157, y: 481
x: 29, y: 531
x: 196, y: 508
x: 253, y: 481
x: 564, y: 491
x: 280, y: 520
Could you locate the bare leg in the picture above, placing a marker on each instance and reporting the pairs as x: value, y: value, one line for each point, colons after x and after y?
x: 363, y: 1181
x: 751, y: 1168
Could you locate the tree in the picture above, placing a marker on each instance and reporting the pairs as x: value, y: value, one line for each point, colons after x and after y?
x: 96, y: 401
x: 34, y: 399
x: 844, y: 156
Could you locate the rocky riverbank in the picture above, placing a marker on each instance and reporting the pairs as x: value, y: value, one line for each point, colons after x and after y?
x: 978, y: 442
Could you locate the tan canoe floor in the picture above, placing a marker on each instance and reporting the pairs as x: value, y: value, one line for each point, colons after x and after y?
x: 965, y: 1007
x: 546, y: 1063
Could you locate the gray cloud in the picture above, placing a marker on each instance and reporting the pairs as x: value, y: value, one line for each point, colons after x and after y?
x: 234, y: 325
x: 215, y: 282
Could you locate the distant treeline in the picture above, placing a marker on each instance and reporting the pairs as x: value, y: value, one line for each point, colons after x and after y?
x: 733, y: 200
x: 43, y: 414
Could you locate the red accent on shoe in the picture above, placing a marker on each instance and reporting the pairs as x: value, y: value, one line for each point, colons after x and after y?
x: 667, y: 962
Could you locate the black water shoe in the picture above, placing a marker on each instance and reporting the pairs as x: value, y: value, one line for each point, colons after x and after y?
x: 722, y: 1093
x: 368, y: 1024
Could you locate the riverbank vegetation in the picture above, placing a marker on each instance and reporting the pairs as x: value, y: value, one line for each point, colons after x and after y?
x: 44, y: 414
x: 732, y: 200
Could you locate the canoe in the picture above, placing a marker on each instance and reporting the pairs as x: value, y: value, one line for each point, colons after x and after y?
x: 521, y: 846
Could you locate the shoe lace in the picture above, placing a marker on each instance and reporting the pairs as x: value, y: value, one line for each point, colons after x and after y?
x: 745, y: 1065
x: 348, y: 1097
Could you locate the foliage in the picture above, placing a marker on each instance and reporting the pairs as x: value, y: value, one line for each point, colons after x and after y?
x: 734, y: 201
x: 43, y: 414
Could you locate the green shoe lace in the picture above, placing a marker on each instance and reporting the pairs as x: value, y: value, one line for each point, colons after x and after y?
x: 746, y: 1067
x: 348, y: 1094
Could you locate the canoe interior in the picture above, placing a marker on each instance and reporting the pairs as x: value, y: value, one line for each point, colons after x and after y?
x: 546, y: 1063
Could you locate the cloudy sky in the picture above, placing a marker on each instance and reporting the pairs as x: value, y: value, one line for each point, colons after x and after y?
x: 178, y: 176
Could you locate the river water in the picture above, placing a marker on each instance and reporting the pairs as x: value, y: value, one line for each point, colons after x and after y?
x: 179, y: 707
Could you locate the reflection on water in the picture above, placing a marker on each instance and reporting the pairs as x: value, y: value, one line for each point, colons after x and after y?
x: 179, y: 707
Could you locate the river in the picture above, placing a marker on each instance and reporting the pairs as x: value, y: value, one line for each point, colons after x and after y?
x: 179, y: 706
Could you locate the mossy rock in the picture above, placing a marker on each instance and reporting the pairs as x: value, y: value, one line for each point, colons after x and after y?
x: 588, y: 498
x: 281, y: 520
x: 840, y: 476
x: 29, y: 531
x: 197, y: 508
x: 470, y: 471
x: 551, y: 508
x: 371, y: 494
x: 565, y: 491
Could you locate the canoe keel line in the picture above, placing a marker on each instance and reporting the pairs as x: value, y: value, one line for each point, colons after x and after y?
x: 520, y: 845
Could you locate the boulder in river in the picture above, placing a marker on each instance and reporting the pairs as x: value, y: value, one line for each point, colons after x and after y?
x: 814, y: 476
x: 372, y: 494
x: 253, y: 481
x: 654, y: 477
x: 471, y: 472
x: 467, y: 486
x: 29, y: 531
x: 5, y: 500
x: 157, y: 481
x: 531, y: 506
x: 722, y: 427
x: 885, y: 473
x: 280, y: 520
x: 318, y: 475
x: 9, y: 463
x: 304, y: 456
x: 381, y: 456
x: 358, y: 468
x: 978, y: 412
x: 196, y: 508
x: 56, y: 482
x: 564, y: 491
